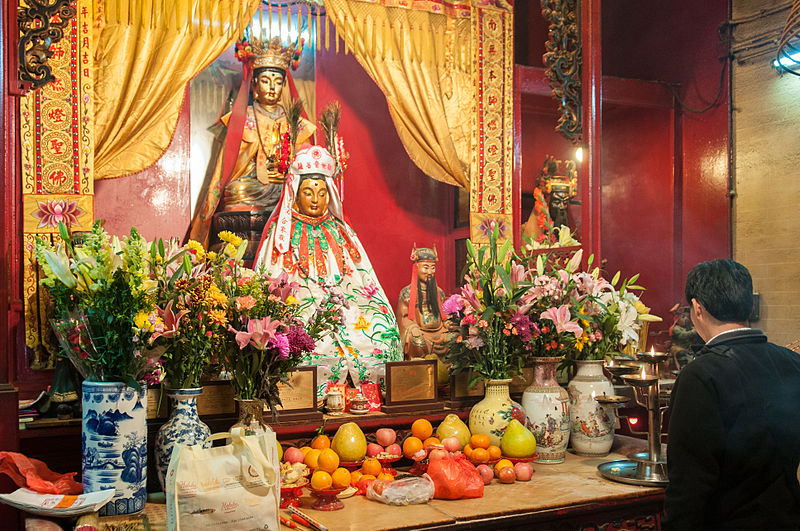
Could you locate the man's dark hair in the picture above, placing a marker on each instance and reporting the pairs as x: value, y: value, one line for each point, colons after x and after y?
x: 723, y: 287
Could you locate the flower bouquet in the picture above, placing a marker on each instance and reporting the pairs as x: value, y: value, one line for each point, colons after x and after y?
x: 264, y: 338
x: 99, y: 285
x: 190, y: 317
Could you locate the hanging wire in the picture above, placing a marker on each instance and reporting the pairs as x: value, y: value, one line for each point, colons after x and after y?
x: 789, y: 44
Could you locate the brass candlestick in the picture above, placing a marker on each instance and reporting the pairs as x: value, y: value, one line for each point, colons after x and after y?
x: 643, y: 468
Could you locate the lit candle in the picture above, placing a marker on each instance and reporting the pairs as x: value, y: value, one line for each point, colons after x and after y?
x: 644, y: 375
x: 593, y: 394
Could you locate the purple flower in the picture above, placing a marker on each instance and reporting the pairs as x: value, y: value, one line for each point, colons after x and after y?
x: 453, y: 304
x: 282, y: 342
x: 369, y: 291
x: 523, y: 325
x: 299, y: 341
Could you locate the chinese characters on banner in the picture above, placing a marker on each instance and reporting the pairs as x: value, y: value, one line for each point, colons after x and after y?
x: 56, y: 133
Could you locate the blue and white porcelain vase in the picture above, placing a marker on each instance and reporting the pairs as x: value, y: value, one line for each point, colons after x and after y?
x: 114, y: 443
x: 184, y: 427
x: 591, y: 423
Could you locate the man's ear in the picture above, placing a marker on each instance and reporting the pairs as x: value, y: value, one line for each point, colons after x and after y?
x: 697, y: 308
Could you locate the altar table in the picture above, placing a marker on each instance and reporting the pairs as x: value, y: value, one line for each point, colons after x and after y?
x: 571, y: 495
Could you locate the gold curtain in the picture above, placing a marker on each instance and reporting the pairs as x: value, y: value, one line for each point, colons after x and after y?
x: 145, y: 52
x: 422, y: 61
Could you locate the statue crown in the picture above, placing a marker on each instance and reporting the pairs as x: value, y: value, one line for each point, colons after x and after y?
x: 274, y: 55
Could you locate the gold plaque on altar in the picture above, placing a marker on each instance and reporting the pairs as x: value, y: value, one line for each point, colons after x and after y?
x: 410, y: 382
x: 300, y: 393
x: 459, y: 386
x: 217, y: 399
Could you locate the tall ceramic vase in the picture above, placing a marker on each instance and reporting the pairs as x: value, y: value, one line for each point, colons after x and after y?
x: 114, y: 441
x: 492, y: 414
x: 546, y: 405
x: 591, y: 424
x: 184, y: 427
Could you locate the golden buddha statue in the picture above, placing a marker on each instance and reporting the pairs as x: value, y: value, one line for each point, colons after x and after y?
x: 255, y: 183
x: 422, y: 330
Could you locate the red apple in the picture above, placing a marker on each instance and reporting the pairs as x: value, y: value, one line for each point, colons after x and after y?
x: 293, y: 455
x: 507, y: 475
x: 374, y: 449
x: 385, y: 436
x: 524, y: 471
x: 437, y: 453
x: 394, y: 449
x: 451, y: 444
x: 486, y: 473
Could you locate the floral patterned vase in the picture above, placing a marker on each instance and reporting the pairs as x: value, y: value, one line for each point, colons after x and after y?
x: 546, y: 405
x: 591, y: 424
x: 492, y: 414
x: 183, y: 427
x: 114, y: 444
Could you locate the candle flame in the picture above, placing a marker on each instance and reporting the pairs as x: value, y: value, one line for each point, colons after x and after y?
x: 644, y: 375
x: 593, y: 395
x: 652, y: 350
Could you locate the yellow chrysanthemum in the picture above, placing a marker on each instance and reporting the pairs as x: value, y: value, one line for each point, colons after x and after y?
x: 211, y: 256
x: 291, y: 300
x: 197, y: 248
x: 230, y: 250
x: 229, y: 237
x: 215, y: 296
x: 141, y: 320
x: 218, y: 316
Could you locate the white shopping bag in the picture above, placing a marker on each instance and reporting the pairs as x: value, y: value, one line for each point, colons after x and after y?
x: 236, y: 486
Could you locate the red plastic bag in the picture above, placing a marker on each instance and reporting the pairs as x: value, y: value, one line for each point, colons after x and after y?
x: 35, y: 475
x: 455, y: 478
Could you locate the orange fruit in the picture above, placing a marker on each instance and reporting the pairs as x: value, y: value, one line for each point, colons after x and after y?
x: 341, y: 478
x: 321, y: 480
x: 501, y: 465
x: 494, y: 452
x: 431, y: 441
x: 371, y: 466
x: 355, y: 476
x: 467, y: 450
x: 385, y: 477
x: 479, y: 455
x: 480, y: 440
x: 321, y: 442
x: 328, y: 460
x: 411, y: 446
x: 305, y: 450
x: 312, y: 458
x: 421, y: 429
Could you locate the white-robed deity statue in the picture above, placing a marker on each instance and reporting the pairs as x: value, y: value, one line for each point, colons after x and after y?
x: 308, y: 238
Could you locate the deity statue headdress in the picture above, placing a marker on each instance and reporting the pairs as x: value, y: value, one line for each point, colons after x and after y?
x: 258, y: 53
x: 308, y: 160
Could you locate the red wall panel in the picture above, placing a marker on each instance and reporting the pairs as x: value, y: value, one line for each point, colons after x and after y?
x: 637, y: 184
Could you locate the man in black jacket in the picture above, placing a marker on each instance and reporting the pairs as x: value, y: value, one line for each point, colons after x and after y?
x: 734, y: 433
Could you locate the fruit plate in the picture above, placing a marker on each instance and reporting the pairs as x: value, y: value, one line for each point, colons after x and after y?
x: 515, y: 460
x: 327, y: 500
x: 389, y: 460
x: 351, y: 465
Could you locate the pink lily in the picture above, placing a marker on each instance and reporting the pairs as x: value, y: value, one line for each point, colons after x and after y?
x: 170, y: 322
x: 282, y: 287
x: 517, y: 274
x: 561, y: 317
x: 470, y: 296
x: 259, y: 333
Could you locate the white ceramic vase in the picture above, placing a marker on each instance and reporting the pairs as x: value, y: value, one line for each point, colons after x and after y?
x: 591, y: 424
x: 546, y: 405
